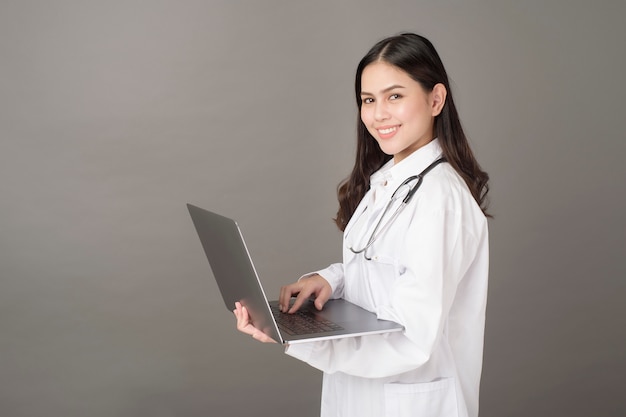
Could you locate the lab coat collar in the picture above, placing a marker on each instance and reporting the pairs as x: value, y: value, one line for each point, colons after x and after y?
x: 411, y: 165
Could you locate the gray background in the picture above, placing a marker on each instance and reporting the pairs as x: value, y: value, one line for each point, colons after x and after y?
x: 115, y: 114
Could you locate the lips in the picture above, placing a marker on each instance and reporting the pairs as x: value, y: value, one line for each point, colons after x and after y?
x: 386, y: 132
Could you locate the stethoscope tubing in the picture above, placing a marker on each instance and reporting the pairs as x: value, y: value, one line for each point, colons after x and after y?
x: 405, y: 201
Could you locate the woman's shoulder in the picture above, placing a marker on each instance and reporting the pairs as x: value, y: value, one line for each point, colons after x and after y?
x: 444, y: 189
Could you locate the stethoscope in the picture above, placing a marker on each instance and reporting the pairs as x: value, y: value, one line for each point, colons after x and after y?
x: 376, y: 233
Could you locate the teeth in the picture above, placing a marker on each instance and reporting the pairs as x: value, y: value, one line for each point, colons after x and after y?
x: 387, y: 131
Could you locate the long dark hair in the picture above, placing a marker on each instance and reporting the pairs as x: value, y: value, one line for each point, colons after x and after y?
x: 416, y: 56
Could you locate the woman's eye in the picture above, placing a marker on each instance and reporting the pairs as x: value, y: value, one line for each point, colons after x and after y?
x: 368, y: 100
x: 394, y: 97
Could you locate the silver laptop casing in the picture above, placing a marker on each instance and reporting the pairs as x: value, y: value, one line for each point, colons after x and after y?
x: 238, y: 280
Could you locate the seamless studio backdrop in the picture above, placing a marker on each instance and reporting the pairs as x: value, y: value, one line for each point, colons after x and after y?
x: 115, y: 114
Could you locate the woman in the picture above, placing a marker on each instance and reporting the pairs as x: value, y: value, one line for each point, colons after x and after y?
x: 423, y: 264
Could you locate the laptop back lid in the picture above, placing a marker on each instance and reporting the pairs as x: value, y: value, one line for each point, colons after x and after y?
x: 232, y: 267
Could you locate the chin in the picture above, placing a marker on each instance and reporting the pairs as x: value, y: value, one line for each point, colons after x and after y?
x: 388, y: 151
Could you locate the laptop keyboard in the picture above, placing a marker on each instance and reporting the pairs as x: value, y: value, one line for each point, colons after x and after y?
x: 302, y: 322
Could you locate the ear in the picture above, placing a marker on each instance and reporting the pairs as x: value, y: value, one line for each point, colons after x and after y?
x: 438, y: 98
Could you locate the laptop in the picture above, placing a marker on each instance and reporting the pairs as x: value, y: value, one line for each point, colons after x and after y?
x: 237, y: 280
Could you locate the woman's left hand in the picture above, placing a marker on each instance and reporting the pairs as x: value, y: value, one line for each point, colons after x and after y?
x: 245, y: 326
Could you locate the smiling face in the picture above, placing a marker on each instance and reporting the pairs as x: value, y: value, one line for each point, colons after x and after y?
x: 396, y: 110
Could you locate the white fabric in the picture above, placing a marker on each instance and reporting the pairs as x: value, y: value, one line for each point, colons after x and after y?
x: 429, y: 273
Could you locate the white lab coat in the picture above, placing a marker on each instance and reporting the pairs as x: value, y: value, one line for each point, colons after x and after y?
x: 429, y: 273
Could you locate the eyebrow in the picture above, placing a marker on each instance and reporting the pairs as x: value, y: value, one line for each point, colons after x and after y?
x: 386, y: 90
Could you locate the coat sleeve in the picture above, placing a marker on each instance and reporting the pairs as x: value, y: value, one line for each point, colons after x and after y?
x: 436, y: 253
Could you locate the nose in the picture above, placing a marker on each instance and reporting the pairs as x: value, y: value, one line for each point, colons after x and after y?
x: 380, y: 111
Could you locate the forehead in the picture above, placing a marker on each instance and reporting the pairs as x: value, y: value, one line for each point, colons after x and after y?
x: 381, y: 75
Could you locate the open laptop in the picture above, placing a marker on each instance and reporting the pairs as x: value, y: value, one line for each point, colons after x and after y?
x: 237, y: 280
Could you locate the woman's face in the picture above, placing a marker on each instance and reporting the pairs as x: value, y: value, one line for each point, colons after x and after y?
x: 396, y: 110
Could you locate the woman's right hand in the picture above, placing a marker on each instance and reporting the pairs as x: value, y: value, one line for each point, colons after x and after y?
x: 314, y: 285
